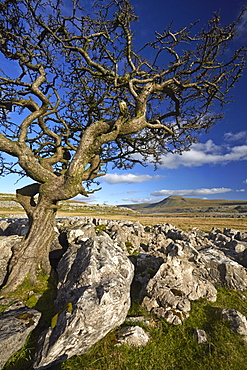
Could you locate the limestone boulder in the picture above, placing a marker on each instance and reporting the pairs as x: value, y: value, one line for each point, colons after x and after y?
x: 242, y: 236
x: 4, y: 224
x: 132, y: 336
x: 200, y: 336
x: 224, y: 271
x: 6, y: 245
x: 230, y: 232
x: 146, y: 266
x: 15, y: 325
x: 75, y: 229
x: 236, y: 250
x: 180, y: 279
x: 93, y: 298
x: 238, y: 322
x: 197, y: 238
x: 129, y: 235
x: 244, y: 259
x: 236, y: 245
x: 158, y: 243
x: 14, y: 226
x: 214, y: 233
x: 80, y: 232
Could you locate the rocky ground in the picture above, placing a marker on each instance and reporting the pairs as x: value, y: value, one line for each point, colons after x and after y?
x: 102, y: 265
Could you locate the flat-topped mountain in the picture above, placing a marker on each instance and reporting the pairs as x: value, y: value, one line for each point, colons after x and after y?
x: 178, y: 204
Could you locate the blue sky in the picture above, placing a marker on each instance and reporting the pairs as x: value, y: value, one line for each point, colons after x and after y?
x: 215, y: 168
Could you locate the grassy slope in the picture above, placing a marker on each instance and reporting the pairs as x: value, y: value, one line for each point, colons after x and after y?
x: 180, y: 204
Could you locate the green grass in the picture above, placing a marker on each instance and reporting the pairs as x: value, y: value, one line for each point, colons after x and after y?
x: 170, y: 348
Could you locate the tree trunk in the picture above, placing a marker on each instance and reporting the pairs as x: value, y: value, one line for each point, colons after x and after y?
x: 31, y: 256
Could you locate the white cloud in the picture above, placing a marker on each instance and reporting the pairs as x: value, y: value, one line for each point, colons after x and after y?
x: 240, y: 190
x: 190, y: 192
x: 145, y: 200
x: 239, y: 136
x: 242, y: 27
x: 245, y: 181
x: 114, y: 178
x: 205, y: 153
x: 90, y: 199
x: 186, y: 192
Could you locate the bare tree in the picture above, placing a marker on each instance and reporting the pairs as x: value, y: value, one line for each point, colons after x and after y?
x: 75, y: 96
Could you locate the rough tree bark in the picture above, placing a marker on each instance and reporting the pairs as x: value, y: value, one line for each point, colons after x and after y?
x: 31, y: 256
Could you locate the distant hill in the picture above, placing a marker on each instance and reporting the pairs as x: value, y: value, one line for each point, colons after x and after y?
x: 178, y: 204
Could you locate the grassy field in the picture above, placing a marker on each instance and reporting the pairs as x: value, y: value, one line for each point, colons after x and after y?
x: 183, y: 222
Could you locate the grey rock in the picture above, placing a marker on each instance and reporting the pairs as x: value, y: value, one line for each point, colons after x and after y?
x: 223, y: 271
x: 238, y: 322
x: 132, y: 336
x: 236, y: 245
x: 244, y: 258
x: 230, y: 232
x: 157, y: 244
x: 4, y: 224
x: 93, y: 298
x: 162, y: 228
x: 80, y: 232
x: 180, y: 279
x: 15, y: 304
x: 200, y: 336
x: 17, y: 226
x: 176, y: 234
x: 219, y: 239
x: 132, y: 233
x: 199, y: 233
x: 146, y: 266
x: 242, y: 236
x: 15, y: 325
x: 195, y: 237
x: 236, y: 250
x: 6, y: 244
x: 146, y: 320
x: 213, y: 233
x: 129, y: 235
